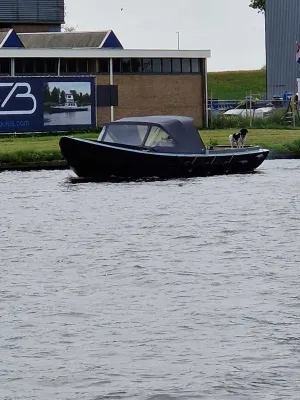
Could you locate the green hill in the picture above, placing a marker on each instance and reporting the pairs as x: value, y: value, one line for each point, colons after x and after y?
x: 235, y: 85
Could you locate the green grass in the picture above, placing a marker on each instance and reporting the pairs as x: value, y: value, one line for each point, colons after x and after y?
x: 18, y: 151
x: 236, y: 85
x: 283, y: 140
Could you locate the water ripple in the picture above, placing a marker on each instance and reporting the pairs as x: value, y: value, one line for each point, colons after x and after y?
x: 158, y: 290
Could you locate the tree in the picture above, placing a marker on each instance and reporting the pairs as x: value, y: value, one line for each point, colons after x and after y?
x: 63, y: 97
x: 46, y: 92
x: 259, y: 5
x: 67, y: 28
x: 55, y: 95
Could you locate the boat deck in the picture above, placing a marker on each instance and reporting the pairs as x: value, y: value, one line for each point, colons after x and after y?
x: 229, y: 149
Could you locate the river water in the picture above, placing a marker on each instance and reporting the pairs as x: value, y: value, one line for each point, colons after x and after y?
x: 185, y: 289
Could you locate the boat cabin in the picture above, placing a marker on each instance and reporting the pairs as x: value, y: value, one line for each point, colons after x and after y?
x: 70, y: 102
x: 158, y: 133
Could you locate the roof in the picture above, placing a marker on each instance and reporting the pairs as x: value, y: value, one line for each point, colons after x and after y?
x: 67, y: 40
x: 3, y: 35
x: 181, y: 129
x: 102, y: 53
x: 10, y: 39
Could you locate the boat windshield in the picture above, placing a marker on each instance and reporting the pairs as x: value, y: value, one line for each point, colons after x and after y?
x: 130, y: 134
x: 158, y: 137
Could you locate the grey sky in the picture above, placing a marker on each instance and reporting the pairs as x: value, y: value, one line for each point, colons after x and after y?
x: 229, y: 28
x: 83, y: 87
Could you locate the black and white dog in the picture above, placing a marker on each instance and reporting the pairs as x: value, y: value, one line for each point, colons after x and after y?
x: 238, y: 139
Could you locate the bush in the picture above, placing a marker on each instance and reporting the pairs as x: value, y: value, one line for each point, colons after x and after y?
x: 276, y: 120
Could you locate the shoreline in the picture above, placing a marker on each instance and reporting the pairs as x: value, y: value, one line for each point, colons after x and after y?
x: 62, y: 165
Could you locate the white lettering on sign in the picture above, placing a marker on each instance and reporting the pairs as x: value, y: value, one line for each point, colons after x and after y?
x: 11, y: 94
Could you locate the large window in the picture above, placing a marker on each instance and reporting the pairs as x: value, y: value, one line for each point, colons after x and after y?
x: 166, y: 65
x: 103, y: 65
x: 5, y: 66
x: 176, y: 65
x: 75, y: 65
x: 151, y: 66
x: 133, y: 135
x: 71, y: 65
x: 186, y: 65
x: 158, y: 137
x: 126, y: 65
x: 51, y: 65
x: 82, y: 65
x: 117, y: 65
x: 195, y: 65
x: 120, y: 66
x: 136, y: 65
x: 147, y: 65
x: 156, y: 65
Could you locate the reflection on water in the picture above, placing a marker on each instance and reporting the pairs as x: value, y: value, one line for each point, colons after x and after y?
x: 69, y: 118
x: 183, y: 289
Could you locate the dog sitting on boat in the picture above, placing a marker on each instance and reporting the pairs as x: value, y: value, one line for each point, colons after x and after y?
x: 238, y: 139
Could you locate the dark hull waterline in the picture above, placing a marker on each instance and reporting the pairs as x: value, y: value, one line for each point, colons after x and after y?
x: 95, y: 160
x: 67, y: 110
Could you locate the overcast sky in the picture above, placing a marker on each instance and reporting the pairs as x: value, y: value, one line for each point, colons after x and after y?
x: 229, y: 28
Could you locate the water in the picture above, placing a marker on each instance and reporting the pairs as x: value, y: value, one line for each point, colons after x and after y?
x: 69, y: 118
x: 187, y: 289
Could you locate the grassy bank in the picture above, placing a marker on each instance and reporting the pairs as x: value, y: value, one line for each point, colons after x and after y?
x: 282, y: 140
x: 45, y: 150
x: 235, y: 85
x: 19, y: 150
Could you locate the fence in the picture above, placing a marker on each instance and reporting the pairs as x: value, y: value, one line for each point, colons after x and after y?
x: 276, y: 112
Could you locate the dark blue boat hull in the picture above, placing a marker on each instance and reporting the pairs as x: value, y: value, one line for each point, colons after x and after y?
x: 92, y: 159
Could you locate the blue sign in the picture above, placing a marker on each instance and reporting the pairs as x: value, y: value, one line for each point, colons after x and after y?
x: 46, y: 104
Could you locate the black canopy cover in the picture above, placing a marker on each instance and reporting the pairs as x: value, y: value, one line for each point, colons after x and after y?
x: 181, y: 129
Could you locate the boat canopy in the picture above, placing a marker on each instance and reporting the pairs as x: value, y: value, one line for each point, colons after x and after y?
x: 174, y: 134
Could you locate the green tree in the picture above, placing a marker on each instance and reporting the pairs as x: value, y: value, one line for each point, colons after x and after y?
x: 55, y: 95
x: 46, y: 93
x: 259, y: 5
x: 63, y: 97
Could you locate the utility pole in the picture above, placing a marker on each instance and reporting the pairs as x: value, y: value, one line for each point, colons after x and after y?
x: 178, y: 40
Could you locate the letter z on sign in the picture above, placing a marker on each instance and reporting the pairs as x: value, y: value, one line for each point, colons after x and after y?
x: 11, y: 94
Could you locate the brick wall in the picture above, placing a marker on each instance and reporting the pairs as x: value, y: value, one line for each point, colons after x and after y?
x: 102, y: 113
x: 155, y: 95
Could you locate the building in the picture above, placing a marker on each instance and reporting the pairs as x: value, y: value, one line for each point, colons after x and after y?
x: 282, y: 32
x: 125, y: 82
x: 32, y: 15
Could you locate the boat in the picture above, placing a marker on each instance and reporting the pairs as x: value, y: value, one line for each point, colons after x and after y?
x: 154, y: 147
x: 69, y: 106
x: 254, y: 109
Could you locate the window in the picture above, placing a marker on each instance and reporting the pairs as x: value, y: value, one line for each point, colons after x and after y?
x: 195, y: 65
x: 39, y: 65
x: 71, y: 65
x: 51, y: 65
x: 186, y: 65
x: 126, y: 67
x: 117, y: 65
x: 136, y: 65
x: 130, y: 134
x: 176, y: 65
x: 156, y: 65
x: 166, y: 65
x: 82, y: 65
x: 19, y: 66
x: 103, y: 65
x: 147, y: 65
x: 28, y: 65
x: 158, y: 137
x: 4, y: 66
x: 63, y: 66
